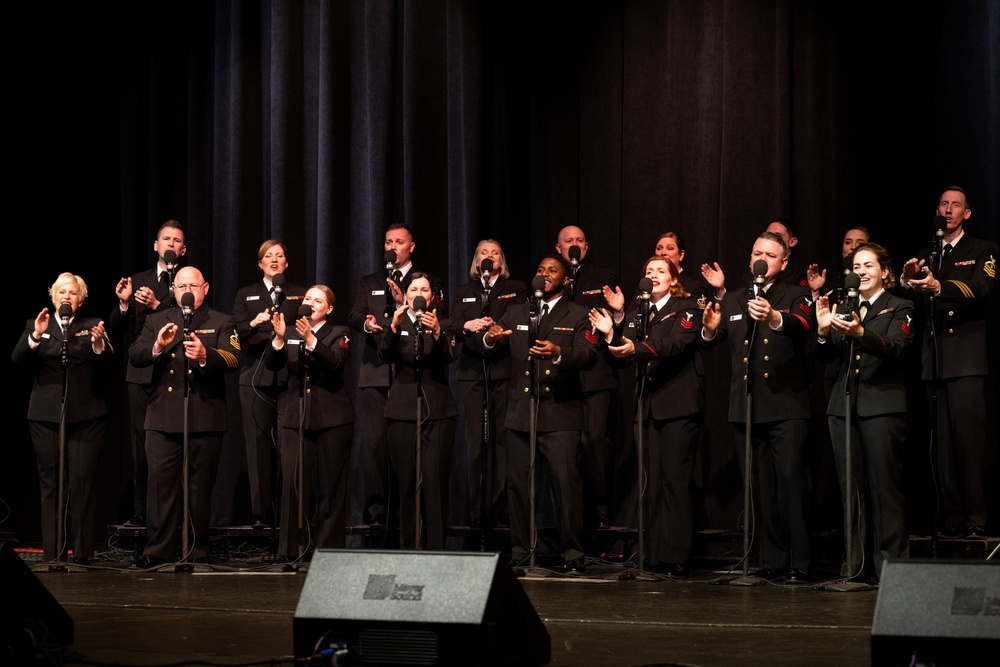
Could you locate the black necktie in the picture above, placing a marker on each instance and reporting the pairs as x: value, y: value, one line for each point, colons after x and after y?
x: 863, y: 310
x: 545, y: 311
x: 397, y: 276
x: 944, y: 254
x: 486, y: 298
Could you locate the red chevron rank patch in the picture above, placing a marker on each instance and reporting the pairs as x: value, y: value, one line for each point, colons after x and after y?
x: 591, y: 337
x: 906, y: 325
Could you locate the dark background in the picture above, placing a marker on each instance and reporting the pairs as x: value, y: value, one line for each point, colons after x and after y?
x: 319, y: 123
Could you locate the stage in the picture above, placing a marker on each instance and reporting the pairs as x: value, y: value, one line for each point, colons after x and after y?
x: 242, y: 612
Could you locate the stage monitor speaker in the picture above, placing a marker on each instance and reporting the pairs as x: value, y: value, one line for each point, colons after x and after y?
x: 940, y: 612
x: 418, y: 608
x: 31, y: 621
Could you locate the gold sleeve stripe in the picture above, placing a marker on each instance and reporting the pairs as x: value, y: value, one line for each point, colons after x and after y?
x: 229, y: 358
x: 234, y: 340
x: 965, y: 289
x: 107, y: 342
x: 990, y: 269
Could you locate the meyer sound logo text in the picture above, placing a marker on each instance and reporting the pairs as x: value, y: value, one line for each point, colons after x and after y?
x: 384, y: 587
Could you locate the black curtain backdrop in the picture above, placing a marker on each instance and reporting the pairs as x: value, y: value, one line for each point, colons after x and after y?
x: 319, y: 123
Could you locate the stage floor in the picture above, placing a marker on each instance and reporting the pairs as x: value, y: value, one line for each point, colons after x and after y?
x: 133, y: 617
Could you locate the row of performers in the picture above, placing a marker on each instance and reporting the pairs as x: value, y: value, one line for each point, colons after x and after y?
x: 530, y: 351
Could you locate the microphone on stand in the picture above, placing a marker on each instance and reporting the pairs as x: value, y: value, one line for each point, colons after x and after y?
x: 390, y: 260
x: 486, y: 271
x: 851, y: 284
x: 574, y: 262
x: 278, y: 284
x: 65, y: 312
x: 187, y: 308
x: 759, y: 276
x: 642, y: 311
x: 537, y: 292
x: 419, y: 306
x: 940, y: 223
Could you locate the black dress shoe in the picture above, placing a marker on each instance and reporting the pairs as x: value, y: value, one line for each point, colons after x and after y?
x: 576, y: 565
x: 145, y: 562
x: 975, y: 533
x: 950, y: 531
x: 769, y: 573
x: 797, y: 575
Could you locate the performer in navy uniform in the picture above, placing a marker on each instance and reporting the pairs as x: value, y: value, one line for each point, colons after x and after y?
x: 314, y: 348
x: 477, y: 306
x: 674, y: 394
x: 780, y: 388
x: 261, y: 387
x: 379, y: 295
x: 564, y: 347
x: 599, y: 383
x: 211, y: 350
x: 876, y: 336
x: 671, y: 246
x: 40, y: 348
x: 138, y: 296
x: 420, y: 346
x: 955, y: 289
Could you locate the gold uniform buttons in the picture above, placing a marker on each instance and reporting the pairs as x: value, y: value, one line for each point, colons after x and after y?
x: 548, y: 372
x: 767, y: 358
x: 766, y: 376
x: 169, y: 389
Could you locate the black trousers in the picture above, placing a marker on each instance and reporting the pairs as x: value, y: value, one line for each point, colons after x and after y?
x: 961, y: 450
x: 779, y: 493
x: 84, y: 446
x: 261, y: 416
x: 561, y: 452
x: 437, y: 439
x: 670, y: 448
x: 165, y: 505
x: 496, y: 452
x: 375, y: 446
x: 326, y: 455
x: 138, y: 401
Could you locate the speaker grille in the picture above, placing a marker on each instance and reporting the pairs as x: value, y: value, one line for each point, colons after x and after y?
x: 398, y: 647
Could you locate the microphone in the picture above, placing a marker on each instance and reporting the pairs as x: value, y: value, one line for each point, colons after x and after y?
x: 759, y: 275
x: 851, y: 284
x: 538, y: 286
x: 65, y: 312
x: 187, y: 308
x: 419, y: 306
x: 574, y: 255
x: 170, y: 260
x: 486, y: 269
x: 278, y: 283
x: 390, y: 260
x: 940, y: 223
x: 642, y: 312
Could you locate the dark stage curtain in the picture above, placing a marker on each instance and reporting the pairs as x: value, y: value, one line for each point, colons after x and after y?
x: 319, y: 123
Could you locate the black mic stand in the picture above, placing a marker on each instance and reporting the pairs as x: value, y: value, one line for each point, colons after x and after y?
x: 418, y: 345
x: 641, y: 326
x: 59, y: 564
x: 746, y: 579
x: 184, y: 563
x: 935, y: 256
x: 300, y: 477
x: 485, y: 513
x: 850, y: 526
x: 532, y: 427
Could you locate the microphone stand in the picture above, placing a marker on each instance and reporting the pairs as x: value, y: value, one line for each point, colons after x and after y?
x: 300, y: 481
x: 418, y: 344
x: 184, y: 563
x: 532, y: 427
x: 641, y: 325
x: 848, y: 586
x: 747, y: 579
x: 485, y: 514
x: 935, y: 257
x: 61, y: 485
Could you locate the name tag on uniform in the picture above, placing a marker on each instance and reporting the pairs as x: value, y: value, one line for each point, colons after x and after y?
x: 520, y: 327
x: 470, y: 299
x: 294, y: 341
x: 46, y: 335
x: 631, y: 325
x: 255, y: 297
x: 733, y: 318
x: 404, y: 332
x: 378, y: 292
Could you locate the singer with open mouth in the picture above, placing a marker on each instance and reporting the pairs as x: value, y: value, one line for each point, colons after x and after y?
x: 317, y: 423
x: 659, y: 333
x: 260, y: 387
x: 483, y: 380
x: 420, y: 412
x: 767, y: 325
x: 867, y: 335
x: 190, y: 348
x: 64, y: 351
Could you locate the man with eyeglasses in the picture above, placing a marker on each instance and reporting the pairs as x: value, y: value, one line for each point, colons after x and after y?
x: 186, y: 350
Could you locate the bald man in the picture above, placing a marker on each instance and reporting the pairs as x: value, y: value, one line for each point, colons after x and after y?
x: 201, y: 347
